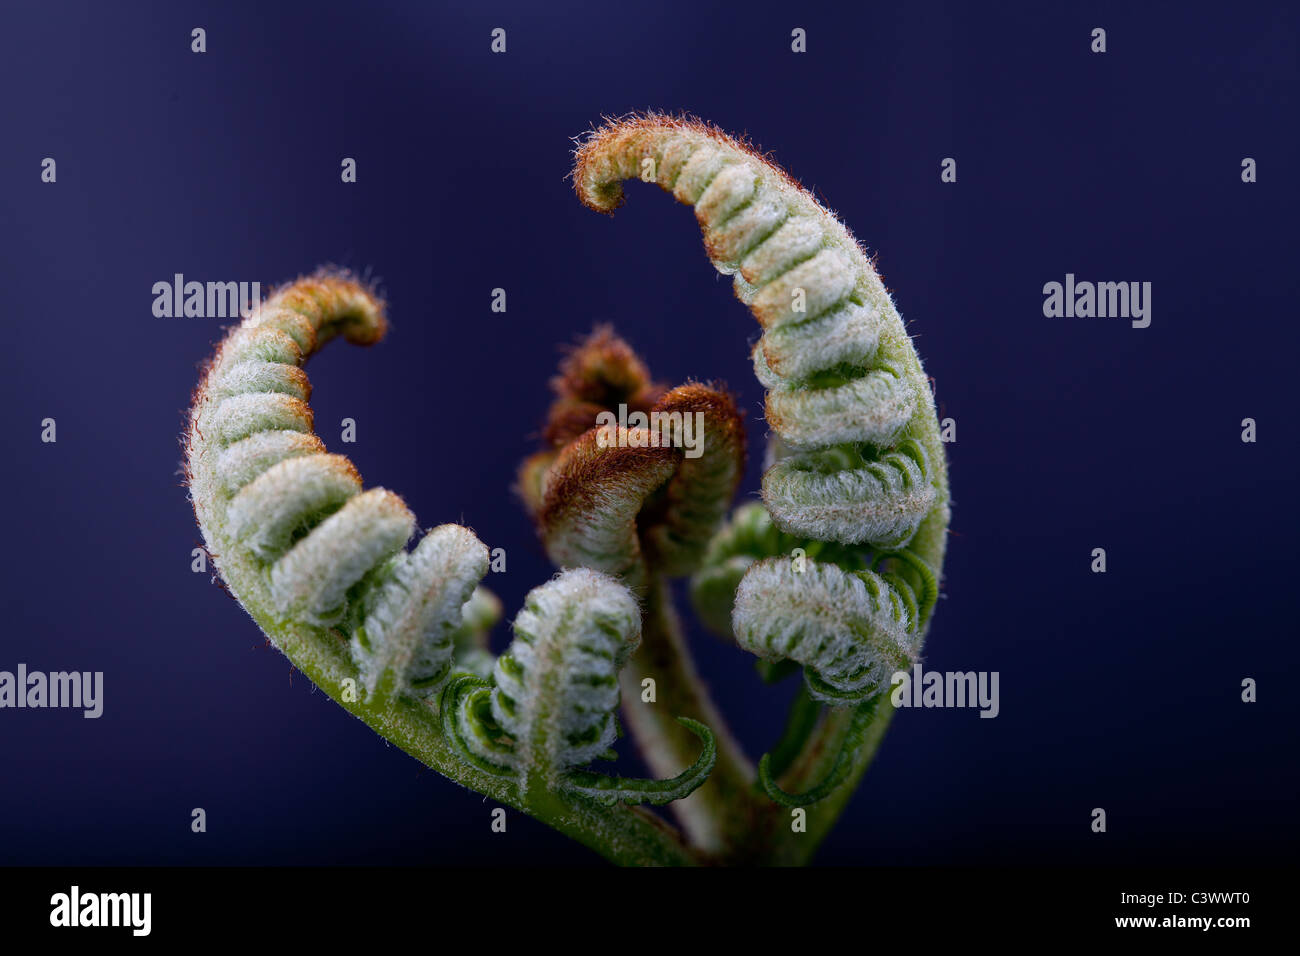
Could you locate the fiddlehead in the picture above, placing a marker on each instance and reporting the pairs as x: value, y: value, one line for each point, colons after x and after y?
x: 856, y: 484
x: 849, y: 630
x: 857, y: 461
x: 749, y: 537
x: 635, y: 482
x: 551, y: 705
x: 631, y: 499
x: 834, y: 356
x: 289, y: 525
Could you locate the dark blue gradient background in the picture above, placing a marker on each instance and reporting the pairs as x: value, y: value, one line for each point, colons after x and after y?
x: 1118, y: 690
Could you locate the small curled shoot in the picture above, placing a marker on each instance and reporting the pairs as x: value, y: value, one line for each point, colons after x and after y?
x: 623, y: 499
x: 849, y: 630
x: 550, y: 706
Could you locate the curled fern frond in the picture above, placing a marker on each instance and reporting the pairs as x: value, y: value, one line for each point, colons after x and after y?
x: 838, y: 365
x: 291, y: 530
x: 598, y: 374
x: 680, y: 524
x: 550, y: 706
x: 748, y: 537
x: 614, y: 497
x: 855, y: 494
x: 410, y: 615
x: 849, y: 630
x: 837, y: 574
x: 557, y: 683
x: 857, y: 458
x: 592, y: 495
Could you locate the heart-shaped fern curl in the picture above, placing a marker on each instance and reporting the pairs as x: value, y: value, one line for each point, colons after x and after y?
x: 857, y: 463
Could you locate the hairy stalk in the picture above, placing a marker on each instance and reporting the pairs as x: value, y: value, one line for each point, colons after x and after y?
x: 718, y: 818
x: 784, y: 846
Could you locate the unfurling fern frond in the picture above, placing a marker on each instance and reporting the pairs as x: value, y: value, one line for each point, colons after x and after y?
x: 856, y: 461
x: 849, y: 630
x: 551, y: 705
x: 747, y: 538
x: 835, y: 574
x: 289, y: 526
x: 618, y: 498
x: 838, y: 364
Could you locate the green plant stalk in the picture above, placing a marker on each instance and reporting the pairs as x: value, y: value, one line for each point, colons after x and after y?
x: 822, y: 746
x: 717, y: 817
x: 803, y: 719
x: 806, y: 756
x: 729, y: 818
x: 788, y: 848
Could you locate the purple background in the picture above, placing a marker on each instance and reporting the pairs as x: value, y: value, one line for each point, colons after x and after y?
x: 1118, y: 690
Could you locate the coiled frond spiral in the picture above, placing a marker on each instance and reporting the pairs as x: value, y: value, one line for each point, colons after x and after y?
x: 289, y: 526
x: 551, y: 706
x: 849, y: 629
x: 856, y: 461
x: 615, y: 498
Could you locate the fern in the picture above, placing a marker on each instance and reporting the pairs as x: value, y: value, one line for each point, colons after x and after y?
x: 835, y: 574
